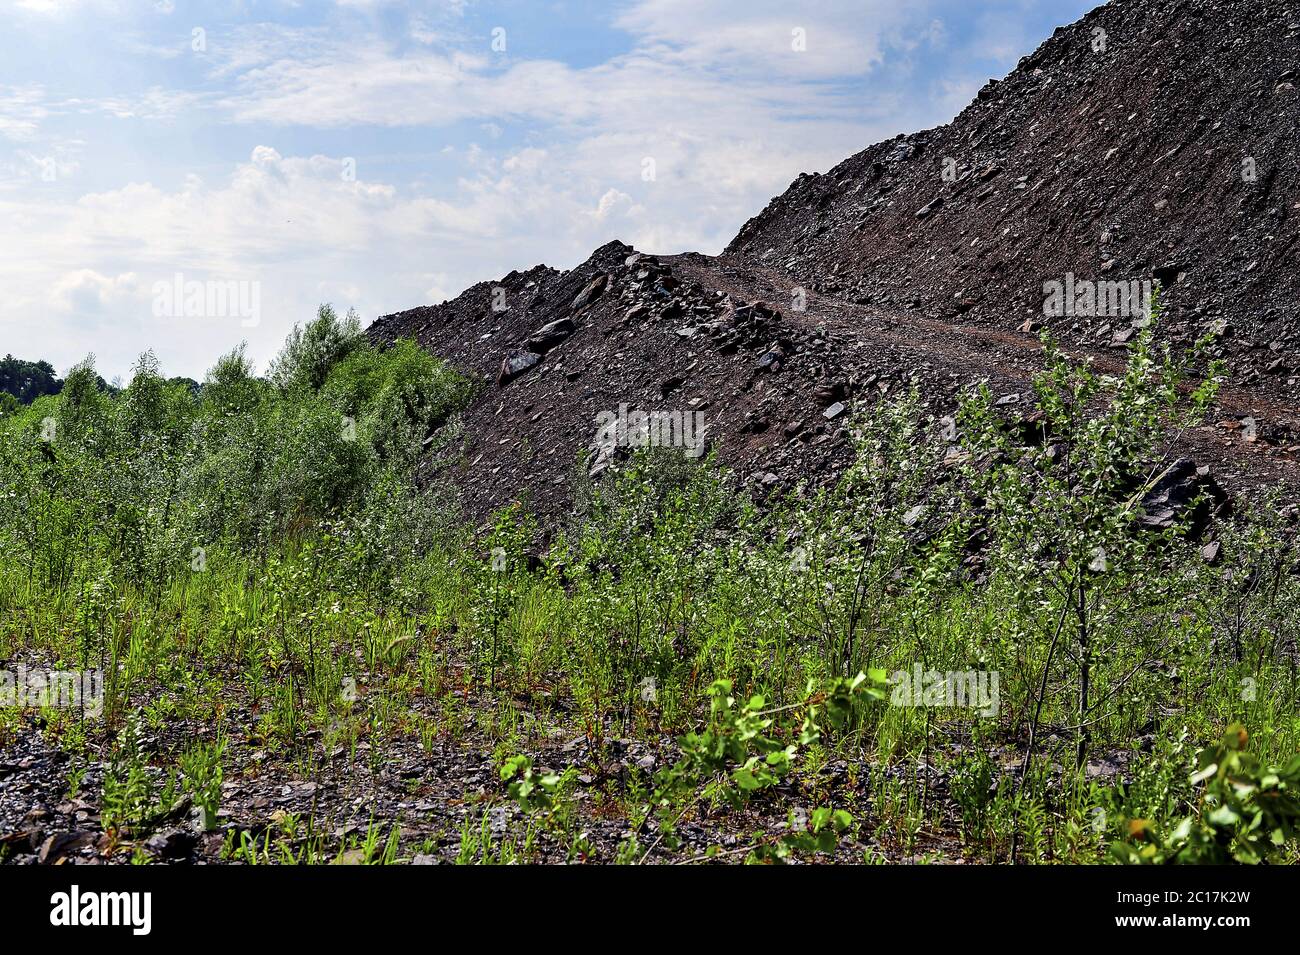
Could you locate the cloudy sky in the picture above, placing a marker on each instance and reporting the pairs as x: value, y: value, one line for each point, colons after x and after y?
x: 381, y: 155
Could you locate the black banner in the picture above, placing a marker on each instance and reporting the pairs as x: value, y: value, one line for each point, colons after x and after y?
x: 145, y: 905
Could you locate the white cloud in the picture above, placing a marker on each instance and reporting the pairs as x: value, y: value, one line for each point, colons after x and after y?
x: 611, y: 200
x: 713, y: 93
x: 46, y: 168
x: 85, y: 290
x: 22, y: 108
x: 153, y: 103
x: 58, y: 8
x: 837, y: 38
x: 44, y: 6
x: 283, y: 222
x: 720, y: 148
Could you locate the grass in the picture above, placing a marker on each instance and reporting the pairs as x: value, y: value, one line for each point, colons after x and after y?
x: 235, y: 561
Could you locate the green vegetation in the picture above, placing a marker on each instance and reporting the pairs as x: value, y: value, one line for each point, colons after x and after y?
x: 25, y: 381
x: 257, y: 561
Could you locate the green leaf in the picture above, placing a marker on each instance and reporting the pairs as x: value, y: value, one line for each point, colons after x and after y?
x: 1223, y: 816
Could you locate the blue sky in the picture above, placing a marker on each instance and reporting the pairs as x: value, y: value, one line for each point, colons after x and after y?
x: 382, y: 155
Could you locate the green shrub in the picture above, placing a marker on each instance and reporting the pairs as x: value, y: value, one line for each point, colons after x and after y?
x: 1245, y: 811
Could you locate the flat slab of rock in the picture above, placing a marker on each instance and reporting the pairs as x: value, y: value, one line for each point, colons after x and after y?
x: 515, y: 364
x: 591, y: 291
x: 550, y: 335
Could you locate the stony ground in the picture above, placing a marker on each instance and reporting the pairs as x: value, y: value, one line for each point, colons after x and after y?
x: 431, y: 790
x: 430, y: 793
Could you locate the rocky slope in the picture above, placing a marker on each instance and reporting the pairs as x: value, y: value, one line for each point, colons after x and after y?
x: 1152, y: 139
x: 1149, y: 141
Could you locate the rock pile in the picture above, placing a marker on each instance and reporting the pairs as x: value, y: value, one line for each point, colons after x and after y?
x: 1151, y: 142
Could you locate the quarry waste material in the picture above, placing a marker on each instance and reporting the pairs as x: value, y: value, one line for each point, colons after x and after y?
x: 1151, y: 145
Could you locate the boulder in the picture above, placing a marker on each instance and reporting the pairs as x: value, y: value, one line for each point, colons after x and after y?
x: 515, y: 364
x: 550, y: 335
x: 1184, y: 492
x: 591, y: 291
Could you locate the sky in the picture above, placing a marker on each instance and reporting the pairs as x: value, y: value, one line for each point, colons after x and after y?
x: 183, y: 176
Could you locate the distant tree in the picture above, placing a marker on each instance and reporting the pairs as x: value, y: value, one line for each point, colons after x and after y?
x: 189, y: 384
x: 28, y: 380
